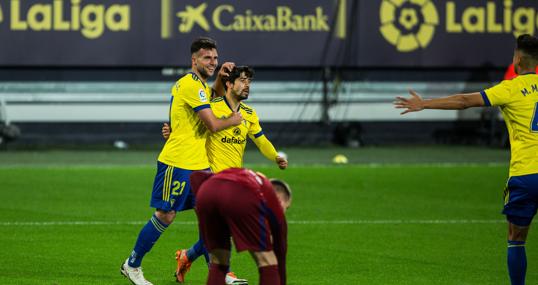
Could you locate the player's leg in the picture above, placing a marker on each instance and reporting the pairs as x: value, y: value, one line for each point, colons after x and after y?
x: 520, y: 208
x: 219, y: 268
x: 250, y: 228
x: 267, y: 267
x: 219, y: 265
x: 214, y: 230
x: 185, y: 257
x: 163, y: 198
x: 152, y: 230
x: 147, y: 237
x: 516, y: 255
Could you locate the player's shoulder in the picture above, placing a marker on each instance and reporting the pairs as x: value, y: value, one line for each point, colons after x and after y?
x: 218, y: 103
x: 247, y: 109
x: 190, y: 76
x: 190, y: 79
x: 218, y: 100
x: 505, y: 85
x: 519, y: 83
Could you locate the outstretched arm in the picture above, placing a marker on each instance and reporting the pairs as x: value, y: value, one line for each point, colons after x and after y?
x: 415, y: 103
x: 269, y: 151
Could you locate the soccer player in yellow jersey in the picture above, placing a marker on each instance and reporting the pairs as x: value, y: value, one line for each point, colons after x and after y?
x: 518, y: 101
x: 191, y: 118
x: 225, y: 149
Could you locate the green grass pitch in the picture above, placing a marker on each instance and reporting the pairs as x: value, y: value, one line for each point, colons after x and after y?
x: 392, y: 216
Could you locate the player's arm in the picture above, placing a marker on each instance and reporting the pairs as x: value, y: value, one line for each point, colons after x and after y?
x: 415, y: 103
x: 218, y: 86
x: 215, y: 124
x: 255, y: 133
x: 268, y: 150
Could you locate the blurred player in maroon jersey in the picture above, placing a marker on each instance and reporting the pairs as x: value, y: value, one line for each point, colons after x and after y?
x: 511, y: 72
x: 248, y: 207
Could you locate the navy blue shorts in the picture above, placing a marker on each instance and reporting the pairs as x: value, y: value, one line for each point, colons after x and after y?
x: 172, y: 189
x: 521, y: 199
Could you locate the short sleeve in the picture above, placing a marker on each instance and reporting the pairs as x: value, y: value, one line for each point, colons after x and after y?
x: 499, y: 94
x: 193, y: 94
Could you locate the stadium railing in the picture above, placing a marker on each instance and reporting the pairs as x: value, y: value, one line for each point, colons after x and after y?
x: 274, y: 101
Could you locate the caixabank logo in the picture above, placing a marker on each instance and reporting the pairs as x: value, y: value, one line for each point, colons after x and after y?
x: 184, y: 18
x: 410, y: 25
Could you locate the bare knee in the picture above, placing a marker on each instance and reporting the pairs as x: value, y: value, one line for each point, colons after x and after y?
x: 219, y: 256
x: 166, y: 217
x: 517, y: 233
x: 264, y: 258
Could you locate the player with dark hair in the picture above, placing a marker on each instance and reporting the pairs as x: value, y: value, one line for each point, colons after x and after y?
x: 184, y: 152
x: 225, y: 149
x: 518, y: 100
x: 248, y: 207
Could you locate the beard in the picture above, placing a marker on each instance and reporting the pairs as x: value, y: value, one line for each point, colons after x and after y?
x: 243, y: 96
x: 204, y: 73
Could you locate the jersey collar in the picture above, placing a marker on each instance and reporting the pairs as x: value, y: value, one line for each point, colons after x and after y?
x: 229, y: 106
x: 199, y: 79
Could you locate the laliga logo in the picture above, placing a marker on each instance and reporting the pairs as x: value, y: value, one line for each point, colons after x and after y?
x: 408, y: 24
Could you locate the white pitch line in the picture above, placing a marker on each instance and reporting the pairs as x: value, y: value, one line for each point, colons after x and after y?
x: 397, y: 222
x: 293, y: 222
x: 253, y: 165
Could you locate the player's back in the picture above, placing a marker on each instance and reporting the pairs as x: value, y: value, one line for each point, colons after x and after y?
x: 279, y: 229
x: 518, y: 101
x: 255, y: 182
x: 185, y: 148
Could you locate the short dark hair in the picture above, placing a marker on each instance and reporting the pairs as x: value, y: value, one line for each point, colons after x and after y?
x: 236, y: 73
x: 281, y: 186
x: 203, y: 43
x: 528, y: 46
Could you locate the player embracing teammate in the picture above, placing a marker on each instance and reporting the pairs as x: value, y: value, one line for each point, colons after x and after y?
x: 187, y: 149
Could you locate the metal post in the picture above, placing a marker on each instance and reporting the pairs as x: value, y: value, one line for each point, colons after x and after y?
x: 325, y: 102
x: 3, y: 112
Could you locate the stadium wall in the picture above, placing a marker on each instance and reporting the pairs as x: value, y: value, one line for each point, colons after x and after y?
x: 359, y: 112
x: 327, y: 71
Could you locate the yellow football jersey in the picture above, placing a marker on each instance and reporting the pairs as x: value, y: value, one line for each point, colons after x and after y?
x: 518, y: 101
x: 225, y: 149
x: 185, y: 148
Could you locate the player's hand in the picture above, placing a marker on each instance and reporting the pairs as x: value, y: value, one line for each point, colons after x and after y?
x: 165, y: 131
x: 282, y: 162
x: 236, y: 118
x: 226, y: 68
x: 414, y: 103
